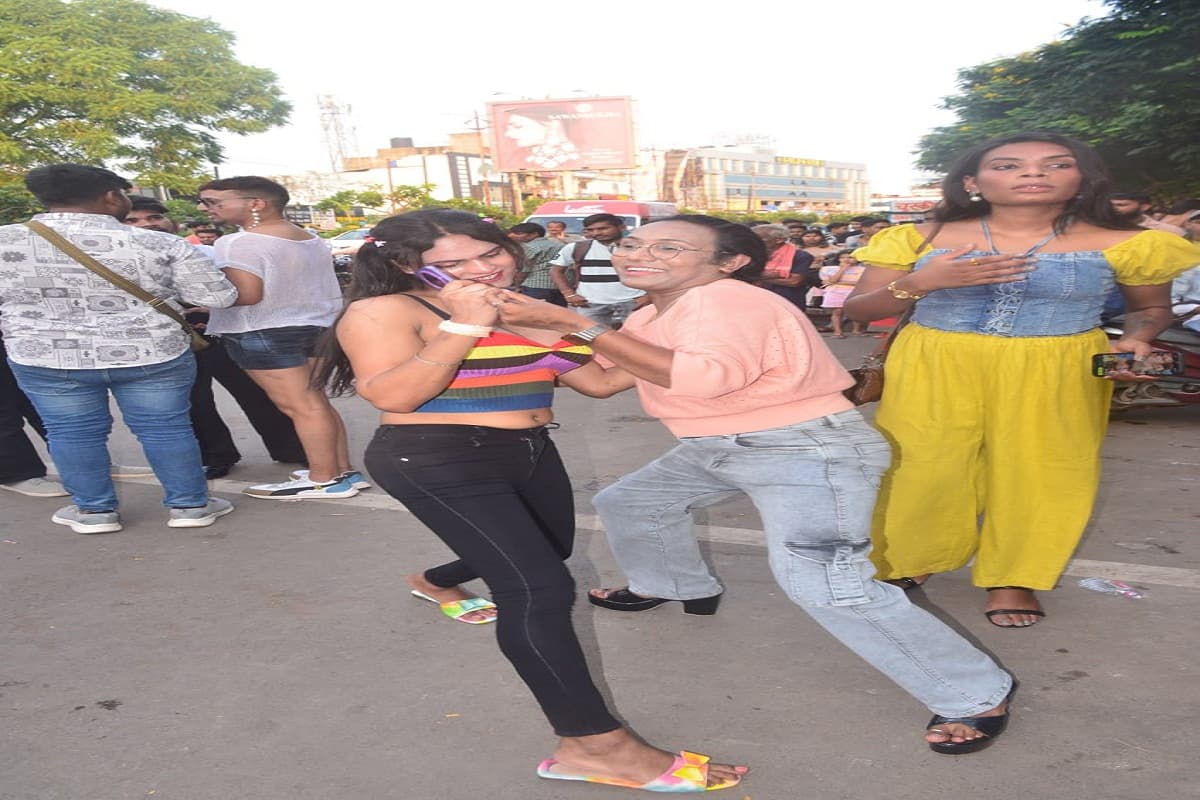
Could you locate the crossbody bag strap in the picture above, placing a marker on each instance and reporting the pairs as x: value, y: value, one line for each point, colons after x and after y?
x: 59, y: 241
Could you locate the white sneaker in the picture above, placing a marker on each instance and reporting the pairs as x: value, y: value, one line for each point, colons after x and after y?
x: 199, y: 517
x: 36, y: 487
x: 87, y: 522
x: 355, y: 478
x: 301, y: 488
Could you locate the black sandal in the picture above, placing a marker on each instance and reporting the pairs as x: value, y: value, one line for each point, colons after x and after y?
x: 990, y: 727
x: 995, y: 612
x: 625, y: 600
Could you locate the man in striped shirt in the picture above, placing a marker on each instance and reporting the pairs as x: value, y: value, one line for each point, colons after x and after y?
x: 599, y: 294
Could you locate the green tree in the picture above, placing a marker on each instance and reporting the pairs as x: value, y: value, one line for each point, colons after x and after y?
x: 341, y: 202
x: 16, y: 204
x: 410, y: 198
x: 121, y: 82
x: 1124, y: 83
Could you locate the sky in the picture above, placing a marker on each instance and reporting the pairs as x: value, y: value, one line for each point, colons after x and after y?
x: 862, y: 85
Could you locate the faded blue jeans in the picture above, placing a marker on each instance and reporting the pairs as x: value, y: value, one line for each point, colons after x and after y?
x: 154, y: 401
x: 814, y: 485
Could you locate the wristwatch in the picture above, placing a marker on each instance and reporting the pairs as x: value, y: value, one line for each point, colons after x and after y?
x: 900, y: 294
x: 587, y: 335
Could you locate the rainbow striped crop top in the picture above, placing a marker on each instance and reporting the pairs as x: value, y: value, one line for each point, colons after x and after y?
x: 505, y: 372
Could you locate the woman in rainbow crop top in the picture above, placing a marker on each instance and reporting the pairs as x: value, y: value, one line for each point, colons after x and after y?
x: 989, y: 403
x: 463, y: 445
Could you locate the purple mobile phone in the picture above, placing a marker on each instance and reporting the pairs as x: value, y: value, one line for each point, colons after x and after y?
x: 433, y: 277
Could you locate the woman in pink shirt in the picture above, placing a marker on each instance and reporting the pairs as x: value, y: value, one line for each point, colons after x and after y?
x: 743, y: 379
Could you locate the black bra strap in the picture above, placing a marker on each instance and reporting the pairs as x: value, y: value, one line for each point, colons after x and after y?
x: 430, y: 306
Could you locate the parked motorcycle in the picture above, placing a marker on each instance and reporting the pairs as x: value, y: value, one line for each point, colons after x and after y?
x: 1164, y: 391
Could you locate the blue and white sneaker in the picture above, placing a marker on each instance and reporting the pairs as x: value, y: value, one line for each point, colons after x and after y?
x: 354, y: 476
x: 301, y: 488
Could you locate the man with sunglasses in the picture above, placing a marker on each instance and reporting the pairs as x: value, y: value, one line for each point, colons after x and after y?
x: 284, y: 275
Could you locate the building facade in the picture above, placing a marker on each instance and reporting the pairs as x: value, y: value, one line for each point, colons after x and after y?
x: 755, y: 179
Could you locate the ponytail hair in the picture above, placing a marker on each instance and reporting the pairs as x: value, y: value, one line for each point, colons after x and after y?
x: 385, y: 265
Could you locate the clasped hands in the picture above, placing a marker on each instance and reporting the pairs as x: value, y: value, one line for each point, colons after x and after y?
x: 481, y: 304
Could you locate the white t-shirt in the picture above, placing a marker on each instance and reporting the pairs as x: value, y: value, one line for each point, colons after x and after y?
x: 598, y: 281
x: 299, y: 285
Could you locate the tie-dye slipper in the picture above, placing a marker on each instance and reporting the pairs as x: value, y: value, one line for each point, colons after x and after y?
x: 458, y: 609
x: 689, y: 773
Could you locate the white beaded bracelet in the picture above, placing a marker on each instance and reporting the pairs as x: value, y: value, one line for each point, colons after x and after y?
x: 463, y: 329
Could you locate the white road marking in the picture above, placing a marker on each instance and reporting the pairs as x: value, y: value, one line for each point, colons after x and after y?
x: 1114, y: 570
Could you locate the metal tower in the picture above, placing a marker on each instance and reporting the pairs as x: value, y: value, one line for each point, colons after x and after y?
x: 338, y: 131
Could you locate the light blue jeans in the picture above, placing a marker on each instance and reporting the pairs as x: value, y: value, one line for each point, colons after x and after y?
x: 154, y: 402
x: 814, y: 485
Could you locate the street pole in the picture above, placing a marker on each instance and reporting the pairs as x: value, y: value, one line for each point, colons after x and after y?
x: 391, y: 189
x: 484, y: 173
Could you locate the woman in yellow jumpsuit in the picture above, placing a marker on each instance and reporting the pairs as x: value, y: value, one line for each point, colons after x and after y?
x: 995, y: 420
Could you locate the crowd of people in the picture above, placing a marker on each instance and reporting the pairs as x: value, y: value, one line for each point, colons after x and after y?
x: 458, y: 333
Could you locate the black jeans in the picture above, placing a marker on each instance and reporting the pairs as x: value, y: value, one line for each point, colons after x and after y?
x: 217, y: 448
x: 19, y: 460
x: 501, y: 500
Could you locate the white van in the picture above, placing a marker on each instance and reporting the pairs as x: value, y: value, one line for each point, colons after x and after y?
x: 573, y: 212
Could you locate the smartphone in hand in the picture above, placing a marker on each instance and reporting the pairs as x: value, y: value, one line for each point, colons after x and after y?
x: 433, y: 277
x: 1159, y: 363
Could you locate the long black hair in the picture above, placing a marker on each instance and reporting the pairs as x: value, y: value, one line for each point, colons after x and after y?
x: 384, y: 265
x: 1089, y: 205
x: 733, y: 239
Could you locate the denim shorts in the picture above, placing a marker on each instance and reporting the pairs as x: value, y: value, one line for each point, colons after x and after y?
x: 272, y: 348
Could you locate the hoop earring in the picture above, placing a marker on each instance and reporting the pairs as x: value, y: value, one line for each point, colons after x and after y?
x: 976, y: 197
x: 257, y: 219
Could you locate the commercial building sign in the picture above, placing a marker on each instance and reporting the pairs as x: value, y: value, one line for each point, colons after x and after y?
x: 804, y: 162
x: 563, y: 135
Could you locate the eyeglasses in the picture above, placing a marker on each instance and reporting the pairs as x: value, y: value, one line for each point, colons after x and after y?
x: 662, y: 251
x: 212, y: 202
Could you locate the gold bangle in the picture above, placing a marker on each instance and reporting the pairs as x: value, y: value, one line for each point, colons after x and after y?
x: 417, y: 356
x: 900, y: 294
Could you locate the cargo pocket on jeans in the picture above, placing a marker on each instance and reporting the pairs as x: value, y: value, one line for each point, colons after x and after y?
x: 844, y: 573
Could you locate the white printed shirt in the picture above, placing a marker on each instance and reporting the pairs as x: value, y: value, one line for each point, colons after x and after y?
x: 56, y: 313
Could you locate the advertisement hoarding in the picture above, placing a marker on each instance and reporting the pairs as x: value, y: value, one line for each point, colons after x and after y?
x: 563, y: 135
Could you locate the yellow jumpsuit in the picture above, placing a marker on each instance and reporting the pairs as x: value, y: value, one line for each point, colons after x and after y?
x: 996, y: 439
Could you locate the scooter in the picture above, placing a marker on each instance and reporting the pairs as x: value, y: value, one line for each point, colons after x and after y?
x: 1166, y: 391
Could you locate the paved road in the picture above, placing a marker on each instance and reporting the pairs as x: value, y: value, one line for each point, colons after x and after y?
x: 278, y: 656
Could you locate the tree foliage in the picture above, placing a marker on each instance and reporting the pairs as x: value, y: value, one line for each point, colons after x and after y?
x: 121, y: 82
x: 1123, y: 83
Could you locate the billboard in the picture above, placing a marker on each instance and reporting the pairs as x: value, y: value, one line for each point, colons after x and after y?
x: 563, y: 135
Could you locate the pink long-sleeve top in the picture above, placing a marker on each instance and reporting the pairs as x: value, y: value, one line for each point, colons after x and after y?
x: 745, y: 360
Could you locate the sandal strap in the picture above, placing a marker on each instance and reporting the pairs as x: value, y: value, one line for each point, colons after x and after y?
x: 460, y: 608
x: 988, y: 726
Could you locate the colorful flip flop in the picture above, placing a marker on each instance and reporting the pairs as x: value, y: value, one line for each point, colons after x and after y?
x: 460, y: 608
x: 689, y: 773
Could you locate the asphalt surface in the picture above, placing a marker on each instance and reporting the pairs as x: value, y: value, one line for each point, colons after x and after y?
x: 277, y: 655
